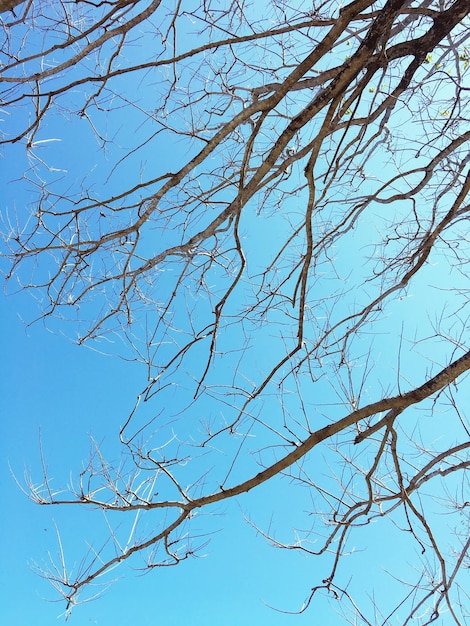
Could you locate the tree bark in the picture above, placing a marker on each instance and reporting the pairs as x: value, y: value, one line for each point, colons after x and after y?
x: 9, y: 5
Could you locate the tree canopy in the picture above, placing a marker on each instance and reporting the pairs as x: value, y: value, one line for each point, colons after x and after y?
x: 262, y: 205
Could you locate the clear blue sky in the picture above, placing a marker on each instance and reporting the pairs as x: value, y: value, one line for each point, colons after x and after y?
x: 56, y: 392
x: 52, y: 388
x: 56, y: 396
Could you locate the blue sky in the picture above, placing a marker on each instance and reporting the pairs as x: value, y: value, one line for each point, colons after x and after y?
x: 60, y: 398
x: 58, y: 393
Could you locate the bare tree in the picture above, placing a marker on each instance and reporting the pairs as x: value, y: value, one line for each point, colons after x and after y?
x: 268, y: 188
